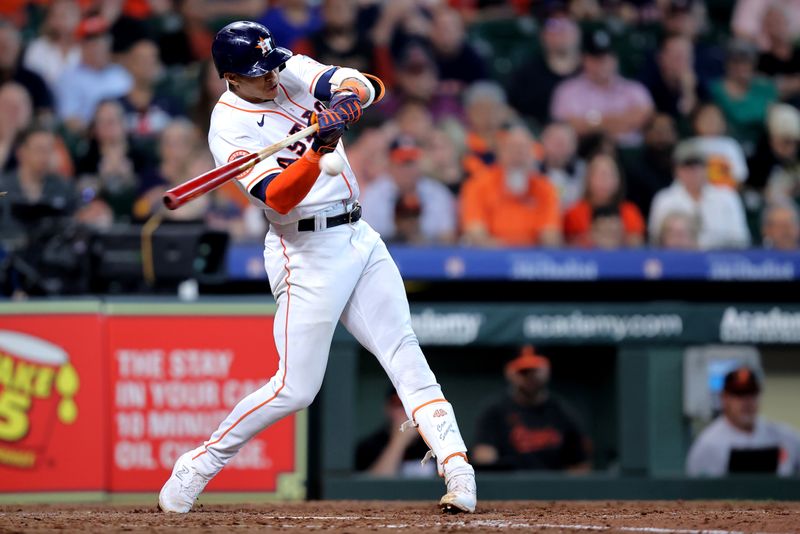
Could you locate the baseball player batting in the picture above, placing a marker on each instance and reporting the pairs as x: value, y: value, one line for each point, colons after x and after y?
x: 324, y: 263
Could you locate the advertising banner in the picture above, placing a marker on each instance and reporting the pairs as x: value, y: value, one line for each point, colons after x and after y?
x: 53, y: 415
x: 245, y: 262
x: 643, y: 323
x: 173, y: 380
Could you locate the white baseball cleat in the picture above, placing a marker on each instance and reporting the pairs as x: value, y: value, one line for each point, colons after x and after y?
x: 182, y: 488
x: 462, y: 494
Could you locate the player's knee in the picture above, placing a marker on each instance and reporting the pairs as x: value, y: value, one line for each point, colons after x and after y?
x: 302, y: 400
x: 300, y: 397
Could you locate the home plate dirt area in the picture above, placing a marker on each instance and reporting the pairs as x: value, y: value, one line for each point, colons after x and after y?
x: 681, y: 517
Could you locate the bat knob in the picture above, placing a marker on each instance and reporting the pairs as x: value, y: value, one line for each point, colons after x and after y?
x: 171, y: 201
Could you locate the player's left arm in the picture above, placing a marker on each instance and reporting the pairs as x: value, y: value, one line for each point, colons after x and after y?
x: 351, y: 91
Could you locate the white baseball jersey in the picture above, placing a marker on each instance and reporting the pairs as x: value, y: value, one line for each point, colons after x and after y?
x: 239, y: 127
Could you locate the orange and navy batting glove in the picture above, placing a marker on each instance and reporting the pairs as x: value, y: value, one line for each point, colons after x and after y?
x: 347, y: 104
x: 331, y: 127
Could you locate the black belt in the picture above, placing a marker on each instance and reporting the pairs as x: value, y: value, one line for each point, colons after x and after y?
x: 308, y: 225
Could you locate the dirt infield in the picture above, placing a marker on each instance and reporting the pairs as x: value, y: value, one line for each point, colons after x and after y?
x: 682, y: 517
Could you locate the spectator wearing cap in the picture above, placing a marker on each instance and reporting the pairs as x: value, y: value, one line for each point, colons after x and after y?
x: 726, y: 162
x: 391, y: 452
x: 739, y: 440
x: 56, y: 48
x: 780, y: 58
x: 11, y: 69
x: 403, y: 188
x: 511, y: 204
x: 673, y: 84
x: 605, y: 192
x: 599, y: 100
x: 718, y: 209
x: 417, y: 80
x: 407, y: 214
x: 96, y: 78
x: 780, y: 226
x: 777, y: 160
x: 530, y: 428
x: 743, y: 96
x: 535, y: 80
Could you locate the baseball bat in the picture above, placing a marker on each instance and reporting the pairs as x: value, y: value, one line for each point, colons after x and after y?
x: 200, y: 185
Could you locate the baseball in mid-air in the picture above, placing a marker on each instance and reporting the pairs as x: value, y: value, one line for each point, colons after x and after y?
x: 331, y: 163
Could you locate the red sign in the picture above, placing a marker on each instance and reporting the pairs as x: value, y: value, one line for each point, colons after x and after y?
x: 173, y: 381
x: 53, y: 419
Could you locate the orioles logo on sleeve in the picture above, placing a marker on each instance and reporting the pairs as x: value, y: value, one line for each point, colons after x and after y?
x: 240, y: 154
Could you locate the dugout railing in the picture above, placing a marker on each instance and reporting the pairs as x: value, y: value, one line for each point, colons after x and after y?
x: 635, y: 408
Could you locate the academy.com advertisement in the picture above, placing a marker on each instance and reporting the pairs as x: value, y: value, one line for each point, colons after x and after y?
x: 107, y: 402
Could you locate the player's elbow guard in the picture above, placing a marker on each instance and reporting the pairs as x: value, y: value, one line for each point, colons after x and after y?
x: 372, y: 85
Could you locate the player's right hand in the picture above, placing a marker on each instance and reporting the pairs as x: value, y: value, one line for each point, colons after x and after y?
x: 331, y: 128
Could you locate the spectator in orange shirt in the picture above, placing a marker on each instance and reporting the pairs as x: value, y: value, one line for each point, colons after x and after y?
x: 603, y: 189
x: 511, y: 204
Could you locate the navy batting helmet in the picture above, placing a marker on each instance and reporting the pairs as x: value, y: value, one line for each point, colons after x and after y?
x: 247, y: 48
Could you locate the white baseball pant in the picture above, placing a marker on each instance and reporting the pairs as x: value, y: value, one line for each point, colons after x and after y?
x: 318, y: 278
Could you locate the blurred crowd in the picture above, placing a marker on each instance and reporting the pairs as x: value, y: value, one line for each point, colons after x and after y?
x: 585, y: 123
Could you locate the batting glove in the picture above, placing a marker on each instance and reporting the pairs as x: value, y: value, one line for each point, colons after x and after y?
x: 347, y: 104
x: 331, y: 128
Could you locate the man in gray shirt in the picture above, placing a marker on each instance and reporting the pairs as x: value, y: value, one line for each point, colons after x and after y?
x: 405, y: 195
x: 741, y: 441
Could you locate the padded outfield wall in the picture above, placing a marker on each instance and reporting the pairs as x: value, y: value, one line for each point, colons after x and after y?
x: 117, y: 388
